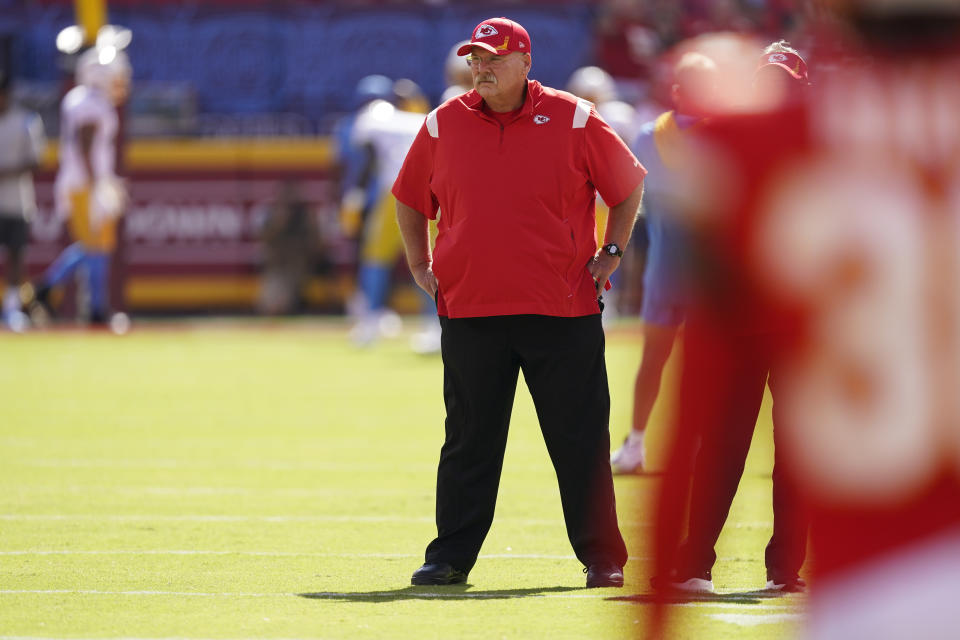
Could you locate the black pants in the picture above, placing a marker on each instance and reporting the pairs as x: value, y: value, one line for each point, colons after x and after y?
x: 724, y: 444
x: 562, y: 360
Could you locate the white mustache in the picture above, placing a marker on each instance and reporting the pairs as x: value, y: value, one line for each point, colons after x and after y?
x: 486, y: 77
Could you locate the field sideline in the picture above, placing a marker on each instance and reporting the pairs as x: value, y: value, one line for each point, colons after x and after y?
x: 266, y: 479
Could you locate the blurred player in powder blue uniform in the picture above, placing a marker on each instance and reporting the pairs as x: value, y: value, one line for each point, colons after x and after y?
x: 357, y: 190
x: 381, y: 133
x: 89, y: 196
x: 359, y: 185
x: 658, y: 147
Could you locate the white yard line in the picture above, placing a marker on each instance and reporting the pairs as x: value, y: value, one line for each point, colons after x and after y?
x: 296, y: 492
x: 290, y: 554
x: 754, y: 619
x: 143, y: 464
x: 333, y: 595
x: 269, y: 554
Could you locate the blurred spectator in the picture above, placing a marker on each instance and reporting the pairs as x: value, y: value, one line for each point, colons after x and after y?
x: 88, y: 193
x: 290, y: 242
x: 22, y: 136
x: 628, y: 38
x: 658, y: 148
x: 705, y: 16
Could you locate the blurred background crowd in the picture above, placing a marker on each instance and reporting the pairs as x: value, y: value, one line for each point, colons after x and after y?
x: 259, y: 67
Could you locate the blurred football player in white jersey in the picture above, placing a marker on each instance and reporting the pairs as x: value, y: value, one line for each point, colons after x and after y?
x: 87, y: 192
x: 387, y: 130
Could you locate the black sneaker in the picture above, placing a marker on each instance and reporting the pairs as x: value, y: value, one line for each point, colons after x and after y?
x: 438, y: 573
x: 36, y: 300
x: 604, y: 574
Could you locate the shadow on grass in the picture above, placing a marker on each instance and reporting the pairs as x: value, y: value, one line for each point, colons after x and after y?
x: 453, y: 592
x: 742, y: 597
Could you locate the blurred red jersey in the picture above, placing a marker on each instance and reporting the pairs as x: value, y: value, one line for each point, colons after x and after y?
x: 834, y: 227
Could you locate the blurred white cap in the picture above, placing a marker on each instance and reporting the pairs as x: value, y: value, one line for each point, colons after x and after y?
x: 593, y: 84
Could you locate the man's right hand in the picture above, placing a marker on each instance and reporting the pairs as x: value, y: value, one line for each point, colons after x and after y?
x: 423, y: 275
x: 416, y: 244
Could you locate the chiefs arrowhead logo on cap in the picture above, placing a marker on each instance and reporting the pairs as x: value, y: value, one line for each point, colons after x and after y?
x: 499, y: 36
x: 788, y: 61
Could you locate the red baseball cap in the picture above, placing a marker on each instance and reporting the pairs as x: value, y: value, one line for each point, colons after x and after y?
x: 499, y: 36
x: 789, y: 62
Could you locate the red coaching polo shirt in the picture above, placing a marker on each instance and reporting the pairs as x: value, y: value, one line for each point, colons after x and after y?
x: 517, y: 227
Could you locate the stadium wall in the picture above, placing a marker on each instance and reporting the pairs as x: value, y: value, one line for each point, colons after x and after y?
x: 191, y: 232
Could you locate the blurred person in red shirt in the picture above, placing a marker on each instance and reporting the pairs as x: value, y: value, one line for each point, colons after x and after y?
x: 727, y: 357
x: 835, y: 221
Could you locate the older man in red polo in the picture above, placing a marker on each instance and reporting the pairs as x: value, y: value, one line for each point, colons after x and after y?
x: 515, y: 168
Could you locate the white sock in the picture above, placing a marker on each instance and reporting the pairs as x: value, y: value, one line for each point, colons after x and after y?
x: 635, y: 437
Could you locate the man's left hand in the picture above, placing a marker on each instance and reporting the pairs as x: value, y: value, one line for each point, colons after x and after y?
x: 601, y: 267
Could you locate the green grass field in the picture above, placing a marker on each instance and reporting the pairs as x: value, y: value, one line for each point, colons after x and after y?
x: 253, y: 479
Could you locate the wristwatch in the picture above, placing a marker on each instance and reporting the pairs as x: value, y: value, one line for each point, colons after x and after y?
x: 612, y: 249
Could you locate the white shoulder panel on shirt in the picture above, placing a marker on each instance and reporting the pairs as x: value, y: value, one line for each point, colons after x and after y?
x: 432, y: 127
x: 582, y: 114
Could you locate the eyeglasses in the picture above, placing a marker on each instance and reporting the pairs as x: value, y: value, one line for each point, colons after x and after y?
x: 492, y: 61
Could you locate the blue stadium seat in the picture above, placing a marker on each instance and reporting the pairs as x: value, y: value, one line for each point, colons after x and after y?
x: 300, y: 59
